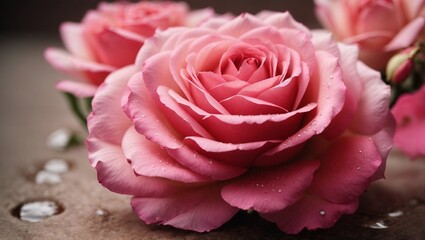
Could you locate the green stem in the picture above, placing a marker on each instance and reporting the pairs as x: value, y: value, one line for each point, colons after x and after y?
x: 76, y: 109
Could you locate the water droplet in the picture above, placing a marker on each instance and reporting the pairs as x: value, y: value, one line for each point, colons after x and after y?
x: 327, y: 96
x: 257, y: 184
x: 210, y: 162
x: 360, y: 151
x: 101, y: 212
x: 56, y: 166
x: 262, y: 185
x: 37, y: 211
x: 357, y: 168
x: 43, y: 177
x: 331, y: 77
x: 329, y: 84
x: 377, y: 225
x: 370, y: 139
x: 322, y: 212
x: 60, y: 139
x: 280, y: 190
x: 143, y: 115
x: 397, y: 213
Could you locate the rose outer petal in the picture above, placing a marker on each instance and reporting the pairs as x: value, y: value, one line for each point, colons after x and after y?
x: 79, y: 89
x: 148, y: 159
x: 200, y: 209
x: 311, y: 213
x: 270, y: 190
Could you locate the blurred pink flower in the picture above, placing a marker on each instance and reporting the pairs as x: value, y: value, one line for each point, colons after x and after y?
x: 379, y: 27
x: 409, y: 112
x: 110, y: 37
x: 254, y: 113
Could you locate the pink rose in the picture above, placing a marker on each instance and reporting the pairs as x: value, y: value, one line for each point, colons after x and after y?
x: 110, y: 37
x: 255, y: 113
x: 409, y: 112
x: 379, y: 27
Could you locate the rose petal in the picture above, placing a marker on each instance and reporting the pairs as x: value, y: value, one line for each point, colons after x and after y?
x: 407, y: 35
x: 374, y: 102
x: 310, y: 212
x: 79, y: 89
x: 61, y: 60
x: 242, y: 154
x: 73, y: 39
x: 107, y: 120
x: 200, y: 209
x: 114, y: 172
x: 148, y: 159
x: 270, y: 190
x: 346, y: 169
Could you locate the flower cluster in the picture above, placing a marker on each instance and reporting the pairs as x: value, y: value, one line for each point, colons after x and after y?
x: 199, y: 115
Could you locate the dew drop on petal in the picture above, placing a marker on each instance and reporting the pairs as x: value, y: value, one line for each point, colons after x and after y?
x: 280, y: 190
x: 322, y: 212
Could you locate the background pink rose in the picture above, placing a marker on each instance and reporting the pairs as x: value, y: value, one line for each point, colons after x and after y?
x: 379, y: 27
x: 110, y: 37
x: 255, y: 113
x: 409, y: 112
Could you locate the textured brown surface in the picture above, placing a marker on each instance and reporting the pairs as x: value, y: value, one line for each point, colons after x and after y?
x: 31, y: 109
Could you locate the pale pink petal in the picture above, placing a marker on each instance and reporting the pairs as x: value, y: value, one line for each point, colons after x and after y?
x: 346, y: 169
x: 200, y: 209
x: 73, y: 39
x: 148, y: 159
x: 281, y: 20
x: 311, y: 213
x: 374, y: 101
x: 240, y: 25
x: 409, y: 112
x: 116, y: 174
x: 271, y: 190
x: 107, y: 120
x: 197, y: 17
x: 407, y: 35
x: 91, y: 72
x: 79, y: 89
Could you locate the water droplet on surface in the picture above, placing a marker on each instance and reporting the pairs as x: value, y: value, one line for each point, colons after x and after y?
x: 43, y: 177
x: 377, y: 225
x: 322, y: 212
x: 357, y: 168
x: 327, y: 96
x: 60, y: 139
x: 38, y: 210
x: 56, y: 166
x: 143, y: 115
x: 397, y: 213
x: 101, y: 212
x: 360, y: 151
x: 331, y: 77
x: 210, y: 162
x: 280, y: 190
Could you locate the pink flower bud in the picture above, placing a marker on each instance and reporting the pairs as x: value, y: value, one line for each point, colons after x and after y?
x: 401, y: 65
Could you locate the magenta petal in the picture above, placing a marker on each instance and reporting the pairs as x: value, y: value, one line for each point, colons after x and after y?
x: 346, y: 169
x: 409, y: 112
x: 270, y: 190
x: 311, y: 213
x: 201, y: 209
x: 116, y: 174
x: 148, y: 159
